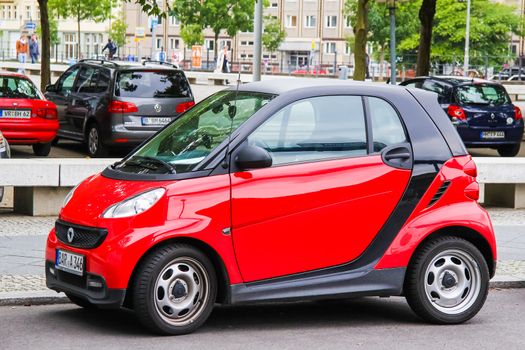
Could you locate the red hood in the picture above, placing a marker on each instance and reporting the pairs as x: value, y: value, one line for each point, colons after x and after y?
x: 96, y: 193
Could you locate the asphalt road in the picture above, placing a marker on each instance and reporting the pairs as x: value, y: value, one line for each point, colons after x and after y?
x: 366, y: 323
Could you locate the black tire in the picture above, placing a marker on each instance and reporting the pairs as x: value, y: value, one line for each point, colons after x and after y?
x: 158, y: 294
x: 445, y: 254
x: 55, y: 141
x: 509, y: 150
x: 80, y: 301
x: 95, y: 145
x: 41, y: 149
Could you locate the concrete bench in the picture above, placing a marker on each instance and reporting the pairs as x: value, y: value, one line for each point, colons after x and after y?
x: 40, y: 185
x: 503, y: 180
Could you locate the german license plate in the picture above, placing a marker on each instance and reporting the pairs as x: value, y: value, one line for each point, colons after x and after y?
x: 70, y: 262
x: 155, y: 120
x: 14, y: 113
x: 487, y: 135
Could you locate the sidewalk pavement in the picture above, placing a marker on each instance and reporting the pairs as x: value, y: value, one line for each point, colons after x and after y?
x: 22, y: 244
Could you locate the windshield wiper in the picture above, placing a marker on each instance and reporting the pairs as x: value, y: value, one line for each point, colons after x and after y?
x: 142, y: 162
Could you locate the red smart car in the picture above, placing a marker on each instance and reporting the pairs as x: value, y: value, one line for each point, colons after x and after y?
x: 282, y: 190
x: 26, y: 117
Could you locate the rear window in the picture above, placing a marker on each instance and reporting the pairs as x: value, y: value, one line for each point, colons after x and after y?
x: 482, y: 94
x: 15, y: 87
x: 152, y: 84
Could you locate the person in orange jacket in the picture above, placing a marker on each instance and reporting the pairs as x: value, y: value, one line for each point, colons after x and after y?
x: 21, y: 52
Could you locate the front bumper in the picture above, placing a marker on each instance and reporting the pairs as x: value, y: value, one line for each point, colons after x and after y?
x: 91, y: 287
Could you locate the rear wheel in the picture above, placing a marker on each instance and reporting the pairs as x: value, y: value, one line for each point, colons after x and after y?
x: 55, y: 141
x: 41, y: 149
x: 96, y: 148
x: 509, y: 150
x: 175, y: 290
x: 447, y: 281
x: 80, y: 301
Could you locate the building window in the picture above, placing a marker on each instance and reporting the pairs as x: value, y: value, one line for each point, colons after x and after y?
x: 331, y: 21
x: 29, y: 15
x: 246, y: 43
x: 15, y: 15
x: 291, y: 21
x: 348, y: 22
x: 225, y: 43
x: 348, y: 50
x: 70, y: 45
x: 274, y: 4
x: 174, y: 21
x: 329, y: 47
x: 310, y: 22
x: 158, y: 43
x: 209, y: 44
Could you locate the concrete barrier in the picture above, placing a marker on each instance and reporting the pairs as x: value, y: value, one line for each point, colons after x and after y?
x: 40, y: 185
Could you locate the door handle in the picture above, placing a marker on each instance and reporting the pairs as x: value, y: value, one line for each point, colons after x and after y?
x: 390, y: 156
x: 398, y: 156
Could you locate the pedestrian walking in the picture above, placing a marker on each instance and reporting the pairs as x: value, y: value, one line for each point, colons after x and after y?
x: 34, y: 51
x: 225, y: 67
x: 111, y: 47
x: 21, y: 52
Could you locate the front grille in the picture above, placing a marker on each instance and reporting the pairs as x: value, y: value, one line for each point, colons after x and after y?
x: 439, y: 193
x: 79, y: 236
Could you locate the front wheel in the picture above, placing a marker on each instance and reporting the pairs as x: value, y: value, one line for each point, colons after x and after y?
x: 509, y: 150
x: 447, y: 281
x: 42, y: 149
x: 174, y: 290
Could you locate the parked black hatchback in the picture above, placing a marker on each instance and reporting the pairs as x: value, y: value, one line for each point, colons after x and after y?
x: 481, y: 111
x: 107, y: 104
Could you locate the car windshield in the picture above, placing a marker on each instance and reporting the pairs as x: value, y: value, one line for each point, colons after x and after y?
x: 16, y: 87
x: 152, y: 84
x: 183, y: 145
x: 482, y: 94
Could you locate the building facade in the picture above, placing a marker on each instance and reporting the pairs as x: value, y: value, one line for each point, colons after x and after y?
x: 316, y: 36
x: 16, y: 17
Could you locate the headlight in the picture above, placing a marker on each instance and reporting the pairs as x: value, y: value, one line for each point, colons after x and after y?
x: 69, y: 195
x: 134, y: 205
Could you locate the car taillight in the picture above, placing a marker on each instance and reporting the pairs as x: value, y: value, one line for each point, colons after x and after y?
x: 517, y: 113
x: 122, y: 107
x: 470, y: 169
x: 456, y: 112
x: 472, y: 191
x: 184, y: 106
x: 46, y: 113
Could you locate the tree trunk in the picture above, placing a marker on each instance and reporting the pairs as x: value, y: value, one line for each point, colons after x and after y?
x: 426, y: 17
x: 361, y: 33
x: 216, y: 50
x: 45, y: 66
x: 382, y: 62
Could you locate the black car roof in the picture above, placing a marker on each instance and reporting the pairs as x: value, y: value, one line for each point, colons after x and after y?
x: 129, y: 65
x: 454, y: 80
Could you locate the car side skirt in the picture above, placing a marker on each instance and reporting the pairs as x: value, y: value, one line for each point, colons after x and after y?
x: 344, y: 284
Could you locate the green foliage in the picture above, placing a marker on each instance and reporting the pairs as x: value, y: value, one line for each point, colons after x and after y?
x: 192, y: 34
x: 95, y: 10
x: 117, y: 32
x: 273, y: 34
x: 53, y: 30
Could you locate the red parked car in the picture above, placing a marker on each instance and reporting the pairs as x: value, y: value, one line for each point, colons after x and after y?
x: 283, y: 190
x: 26, y: 117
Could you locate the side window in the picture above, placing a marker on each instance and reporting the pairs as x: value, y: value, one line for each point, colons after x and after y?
x: 85, y: 82
x: 442, y: 90
x: 102, y: 80
x: 314, y: 129
x: 65, y: 85
x: 386, y: 127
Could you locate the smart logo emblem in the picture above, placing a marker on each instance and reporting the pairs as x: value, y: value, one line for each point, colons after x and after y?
x: 70, y: 234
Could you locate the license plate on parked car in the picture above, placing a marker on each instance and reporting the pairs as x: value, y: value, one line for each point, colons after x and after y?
x: 14, y: 113
x: 70, y: 262
x: 493, y: 134
x: 155, y: 120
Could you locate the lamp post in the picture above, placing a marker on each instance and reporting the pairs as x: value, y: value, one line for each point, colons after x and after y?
x: 467, y: 40
x: 392, y: 12
x: 257, y: 27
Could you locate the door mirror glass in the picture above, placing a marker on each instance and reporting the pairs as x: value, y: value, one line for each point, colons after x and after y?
x: 253, y: 157
x: 51, y: 88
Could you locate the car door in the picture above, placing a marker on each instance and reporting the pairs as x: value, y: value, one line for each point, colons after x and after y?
x: 328, y: 191
x: 81, y: 98
x: 60, y: 95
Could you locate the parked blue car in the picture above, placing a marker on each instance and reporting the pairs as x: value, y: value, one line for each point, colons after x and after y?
x: 481, y: 110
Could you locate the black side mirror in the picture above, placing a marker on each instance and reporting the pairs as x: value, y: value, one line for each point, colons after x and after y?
x: 51, y: 88
x: 253, y: 157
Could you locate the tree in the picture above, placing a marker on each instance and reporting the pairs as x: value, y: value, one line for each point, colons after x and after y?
x: 361, y: 35
x: 191, y: 34
x: 45, y: 64
x: 426, y: 17
x: 54, y: 40
x: 273, y: 34
x: 229, y: 15
x: 117, y: 32
x: 95, y: 10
